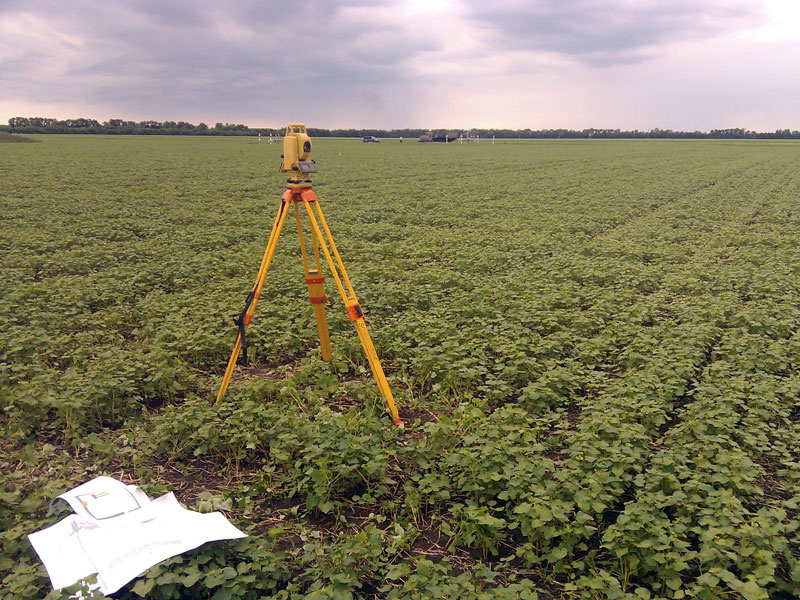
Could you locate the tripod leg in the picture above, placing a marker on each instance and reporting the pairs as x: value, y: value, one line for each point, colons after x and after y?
x: 252, y: 297
x: 316, y: 291
x: 354, y: 310
x: 317, y: 297
x: 351, y: 305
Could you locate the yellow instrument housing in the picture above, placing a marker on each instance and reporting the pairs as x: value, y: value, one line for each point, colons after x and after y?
x: 296, y: 150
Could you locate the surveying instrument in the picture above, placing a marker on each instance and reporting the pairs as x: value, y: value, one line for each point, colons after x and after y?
x: 296, y: 162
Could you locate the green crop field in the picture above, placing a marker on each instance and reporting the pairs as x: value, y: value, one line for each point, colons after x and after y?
x: 594, y: 345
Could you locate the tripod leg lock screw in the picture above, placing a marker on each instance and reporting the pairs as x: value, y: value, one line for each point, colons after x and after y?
x: 354, y: 311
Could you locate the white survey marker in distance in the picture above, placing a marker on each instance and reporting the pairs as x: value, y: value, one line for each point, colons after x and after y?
x: 118, y: 533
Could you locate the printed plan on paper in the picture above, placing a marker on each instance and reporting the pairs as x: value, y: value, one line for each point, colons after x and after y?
x: 118, y: 532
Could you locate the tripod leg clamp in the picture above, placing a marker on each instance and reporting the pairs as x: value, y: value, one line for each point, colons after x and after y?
x: 316, y: 293
x: 354, y: 310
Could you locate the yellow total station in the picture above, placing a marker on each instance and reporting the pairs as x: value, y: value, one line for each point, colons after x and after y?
x: 298, y: 164
x: 296, y: 155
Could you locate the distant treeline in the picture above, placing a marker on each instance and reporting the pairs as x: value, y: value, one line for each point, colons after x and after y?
x: 120, y: 126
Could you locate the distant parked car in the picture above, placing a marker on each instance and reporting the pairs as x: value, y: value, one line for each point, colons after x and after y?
x: 370, y: 138
x: 425, y: 138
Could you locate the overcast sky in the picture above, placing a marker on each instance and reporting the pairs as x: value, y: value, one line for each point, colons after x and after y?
x: 632, y: 64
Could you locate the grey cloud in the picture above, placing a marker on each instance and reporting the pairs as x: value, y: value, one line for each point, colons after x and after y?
x: 160, y: 57
x: 607, y: 32
x: 262, y: 61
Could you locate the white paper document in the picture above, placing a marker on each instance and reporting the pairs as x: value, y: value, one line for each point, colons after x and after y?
x: 118, y: 532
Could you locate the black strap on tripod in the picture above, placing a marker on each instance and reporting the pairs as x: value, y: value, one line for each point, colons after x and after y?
x: 238, y: 320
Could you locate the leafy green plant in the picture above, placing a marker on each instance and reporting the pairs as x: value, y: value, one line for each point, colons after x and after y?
x: 594, y: 345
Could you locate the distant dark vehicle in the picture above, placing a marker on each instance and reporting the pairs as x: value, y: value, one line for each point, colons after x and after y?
x: 370, y: 138
x: 438, y: 137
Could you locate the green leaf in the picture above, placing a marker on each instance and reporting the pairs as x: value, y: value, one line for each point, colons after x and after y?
x: 192, y: 578
x: 143, y: 587
x: 750, y: 590
x: 557, y: 554
x: 674, y: 583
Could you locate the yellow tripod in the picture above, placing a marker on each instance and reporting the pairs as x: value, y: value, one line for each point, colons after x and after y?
x: 297, y: 147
